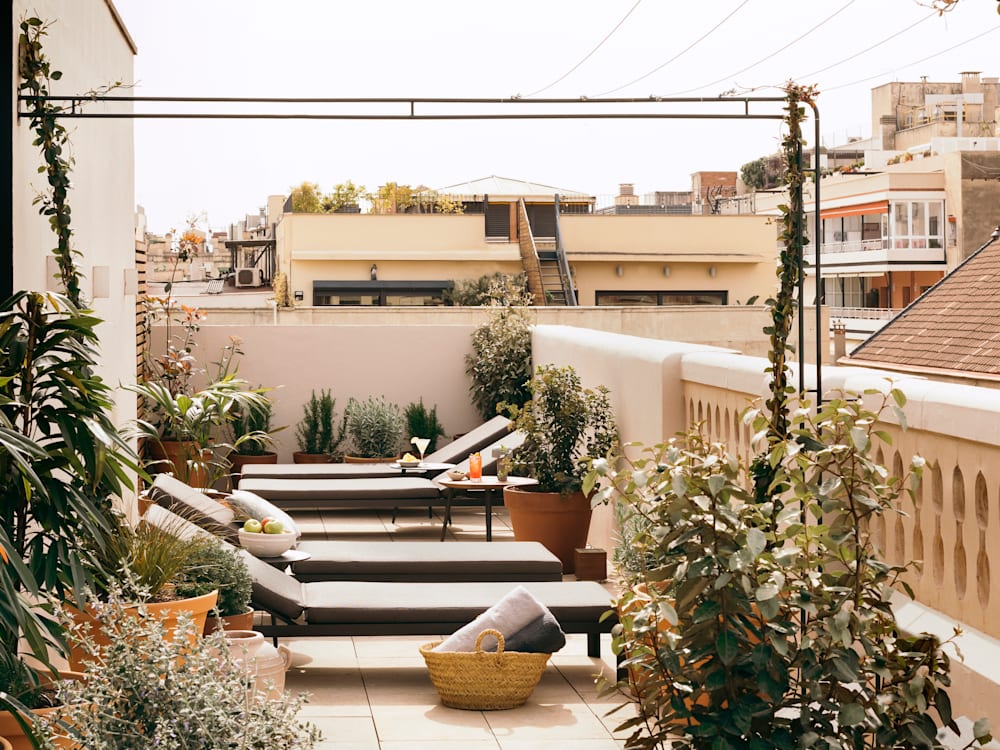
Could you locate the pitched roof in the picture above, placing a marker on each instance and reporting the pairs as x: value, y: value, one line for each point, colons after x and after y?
x: 953, y: 327
x: 497, y: 186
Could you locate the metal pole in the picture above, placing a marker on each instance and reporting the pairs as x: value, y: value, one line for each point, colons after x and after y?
x: 818, y: 248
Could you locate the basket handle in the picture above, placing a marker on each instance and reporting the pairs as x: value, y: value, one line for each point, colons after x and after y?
x: 496, y: 634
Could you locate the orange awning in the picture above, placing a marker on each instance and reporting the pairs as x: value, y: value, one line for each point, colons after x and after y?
x: 878, y: 207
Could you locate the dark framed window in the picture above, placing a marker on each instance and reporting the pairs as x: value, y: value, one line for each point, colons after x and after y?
x: 380, y: 293
x: 660, y: 298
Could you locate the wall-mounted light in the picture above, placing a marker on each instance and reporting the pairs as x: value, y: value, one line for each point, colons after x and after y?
x: 666, y: 270
x: 374, y: 272
x: 299, y: 295
x: 620, y: 270
x: 712, y: 271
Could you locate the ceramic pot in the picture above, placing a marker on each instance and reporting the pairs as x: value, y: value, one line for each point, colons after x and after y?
x: 263, y: 662
x: 13, y: 735
x: 299, y: 457
x: 198, y: 607
x: 362, y: 460
x: 237, y: 461
x: 560, y: 523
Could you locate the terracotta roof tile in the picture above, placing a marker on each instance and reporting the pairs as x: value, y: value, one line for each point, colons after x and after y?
x: 955, y: 325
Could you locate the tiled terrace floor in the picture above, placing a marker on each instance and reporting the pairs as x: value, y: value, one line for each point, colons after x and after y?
x: 374, y: 693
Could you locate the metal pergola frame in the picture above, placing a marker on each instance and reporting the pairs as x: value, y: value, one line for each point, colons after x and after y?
x: 494, y: 109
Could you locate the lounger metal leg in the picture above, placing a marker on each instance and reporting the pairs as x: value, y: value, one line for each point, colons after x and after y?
x: 447, y: 512
x: 594, y: 645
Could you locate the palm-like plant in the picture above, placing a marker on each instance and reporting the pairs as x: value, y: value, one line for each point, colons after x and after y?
x: 61, y: 462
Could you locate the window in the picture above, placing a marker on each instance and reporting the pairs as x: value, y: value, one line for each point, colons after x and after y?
x: 656, y: 299
x: 379, y: 293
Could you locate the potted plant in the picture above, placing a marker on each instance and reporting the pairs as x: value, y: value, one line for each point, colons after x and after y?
x: 154, y: 690
x: 252, y: 437
x: 217, y: 567
x: 563, y: 424
x: 421, y: 423
x: 374, y: 428
x: 146, y: 565
x: 61, y: 463
x: 317, y: 440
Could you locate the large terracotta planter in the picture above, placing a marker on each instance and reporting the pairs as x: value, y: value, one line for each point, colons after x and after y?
x: 560, y: 523
x: 242, y: 621
x: 299, y: 457
x: 167, y: 612
x: 11, y: 731
x: 237, y: 461
x: 183, y: 456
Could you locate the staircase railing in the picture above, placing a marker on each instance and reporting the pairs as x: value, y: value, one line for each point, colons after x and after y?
x: 529, y: 254
x: 565, y: 277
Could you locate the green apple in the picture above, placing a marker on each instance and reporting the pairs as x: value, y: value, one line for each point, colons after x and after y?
x: 274, y: 527
x: 252, y: 525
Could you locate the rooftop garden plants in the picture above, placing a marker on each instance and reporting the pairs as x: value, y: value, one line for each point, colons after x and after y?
x: 317, y: 437
x: 755, y: 607
x: 374, y: 428
x: 500, y: 361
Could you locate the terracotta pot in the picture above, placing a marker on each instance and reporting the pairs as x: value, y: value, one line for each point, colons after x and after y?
x: 183, y: 456
x: 13, y: 735
x: 242, y: 621
x: 237, y: 461
x: 262, y: 661
x: 560, y: 523
x: 310, y: 458
x: 198, y: 607
x: 348, y: 459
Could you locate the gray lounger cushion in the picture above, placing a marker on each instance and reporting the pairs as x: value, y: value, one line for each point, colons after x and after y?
x: 427, y: 561
x: 345, y: 493
x: 341, y: 602
x: 195, y: 506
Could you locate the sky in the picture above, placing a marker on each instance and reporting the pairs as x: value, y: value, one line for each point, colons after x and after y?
x: 224, y: 170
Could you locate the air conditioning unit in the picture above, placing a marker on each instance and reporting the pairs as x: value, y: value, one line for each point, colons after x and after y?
x: 249, y: 277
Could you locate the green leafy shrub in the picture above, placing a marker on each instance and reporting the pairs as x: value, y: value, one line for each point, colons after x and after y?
x: 315, y: 433
x: 421, y: 422
x: 375, y: 427
x: 563, y: 424
x: 500, y: 361
x: 478, y: 292
x: 215, y: 566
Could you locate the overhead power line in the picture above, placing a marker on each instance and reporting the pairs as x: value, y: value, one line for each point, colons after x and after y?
x: 684, y: 51
x: 588, y: 55
x: 867, y: 49
x: 915, y: 62
x: 768, y: 57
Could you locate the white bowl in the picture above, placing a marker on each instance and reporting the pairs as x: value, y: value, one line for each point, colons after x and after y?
x: 456, y: 475
x: 266, y: 545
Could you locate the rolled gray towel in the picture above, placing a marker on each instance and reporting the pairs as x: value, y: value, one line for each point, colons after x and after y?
x: 540, y: 636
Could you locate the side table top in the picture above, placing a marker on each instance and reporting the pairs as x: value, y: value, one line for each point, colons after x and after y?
x: 487, y: 483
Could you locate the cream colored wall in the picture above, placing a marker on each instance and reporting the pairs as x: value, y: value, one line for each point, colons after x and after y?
x: 86, y: 44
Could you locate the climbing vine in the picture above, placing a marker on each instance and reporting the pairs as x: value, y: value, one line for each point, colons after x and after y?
x: 782, y: 306
x: 52, y: 140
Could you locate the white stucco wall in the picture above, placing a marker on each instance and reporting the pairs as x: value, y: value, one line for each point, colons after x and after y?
x: 85, y: 43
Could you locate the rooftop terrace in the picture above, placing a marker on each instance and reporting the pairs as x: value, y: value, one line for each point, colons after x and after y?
x: 373, y: 693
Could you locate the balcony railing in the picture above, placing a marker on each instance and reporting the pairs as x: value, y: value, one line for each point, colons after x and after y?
x: 862, y: 313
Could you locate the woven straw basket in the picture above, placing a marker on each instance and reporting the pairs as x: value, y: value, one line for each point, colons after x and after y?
x: 483, y: 680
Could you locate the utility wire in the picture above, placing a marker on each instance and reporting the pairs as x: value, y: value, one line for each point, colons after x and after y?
x: 867, y: 49
x: 587, y: 56
x: 768, y: 57
x: 684, y: 51
x: 915, y: 62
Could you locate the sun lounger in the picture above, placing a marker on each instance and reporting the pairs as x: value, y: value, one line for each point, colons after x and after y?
x: 396, y: 492
x: 367, y: 561
x: 454, y: 452
x: 361, y: 608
